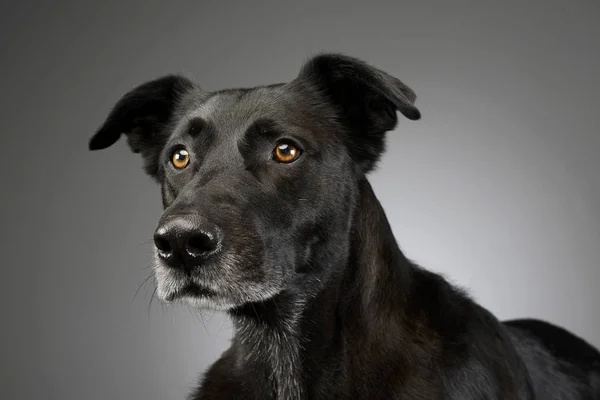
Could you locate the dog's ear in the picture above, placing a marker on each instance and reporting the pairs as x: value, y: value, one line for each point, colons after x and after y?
x: 143, y: 114
x: 365, y: 98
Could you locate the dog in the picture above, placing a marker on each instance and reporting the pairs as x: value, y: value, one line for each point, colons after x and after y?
x: 269, y: 216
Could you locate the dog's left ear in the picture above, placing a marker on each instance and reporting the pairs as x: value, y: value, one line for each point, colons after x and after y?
x: 366, y: 100
x: 143, y: 114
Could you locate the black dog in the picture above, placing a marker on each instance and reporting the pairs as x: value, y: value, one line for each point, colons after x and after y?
x: 269, y: 215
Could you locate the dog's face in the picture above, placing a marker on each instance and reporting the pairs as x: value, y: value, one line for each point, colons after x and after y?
x: 259, y: 185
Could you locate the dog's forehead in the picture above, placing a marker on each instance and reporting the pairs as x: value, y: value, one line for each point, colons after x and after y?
x: 230, y: 115
x: 233, y: 111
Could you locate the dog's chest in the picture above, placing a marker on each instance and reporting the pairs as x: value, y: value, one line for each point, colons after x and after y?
x: 279, y: 360
x: 262, y: 364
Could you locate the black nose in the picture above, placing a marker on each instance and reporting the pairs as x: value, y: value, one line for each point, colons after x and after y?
x: 185, y: 241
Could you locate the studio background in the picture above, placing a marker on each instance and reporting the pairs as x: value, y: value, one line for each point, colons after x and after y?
x: 497, y: 187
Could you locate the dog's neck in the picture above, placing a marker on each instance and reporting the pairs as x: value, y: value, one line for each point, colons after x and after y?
x: 289, y: 338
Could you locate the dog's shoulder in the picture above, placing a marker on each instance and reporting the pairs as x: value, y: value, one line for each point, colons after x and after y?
x: 473, y: 347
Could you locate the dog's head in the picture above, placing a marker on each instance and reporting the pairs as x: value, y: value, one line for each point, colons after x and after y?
x: 259, y: 185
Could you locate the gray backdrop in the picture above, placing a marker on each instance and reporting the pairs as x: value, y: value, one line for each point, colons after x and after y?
x: 497, y: 187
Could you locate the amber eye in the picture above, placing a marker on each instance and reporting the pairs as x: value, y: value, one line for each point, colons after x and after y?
x: 180, y: 159
x: 286, y: 152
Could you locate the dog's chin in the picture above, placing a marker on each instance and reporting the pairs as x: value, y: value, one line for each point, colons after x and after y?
x: 173, y: 287
x: 206, y: 303
x: 177, y: 287
x: 191, y: 293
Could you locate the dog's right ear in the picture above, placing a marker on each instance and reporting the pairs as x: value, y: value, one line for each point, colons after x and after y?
x: 143, y: 115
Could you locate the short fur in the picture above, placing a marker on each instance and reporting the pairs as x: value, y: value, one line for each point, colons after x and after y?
x: 324, y: 303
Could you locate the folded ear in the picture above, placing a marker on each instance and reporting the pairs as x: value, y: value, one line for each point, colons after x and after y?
x: 143, y: 114
x: 366, y: 99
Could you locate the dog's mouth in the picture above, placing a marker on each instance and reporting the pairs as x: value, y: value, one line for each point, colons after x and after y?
x: 191, y: 289
x: 203, y: 289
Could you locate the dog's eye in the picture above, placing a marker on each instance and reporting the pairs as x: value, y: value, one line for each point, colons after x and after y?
x: 286, y: 152
x: 180, y: 159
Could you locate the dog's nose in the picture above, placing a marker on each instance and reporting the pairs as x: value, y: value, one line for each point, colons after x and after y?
x: 186, y: 240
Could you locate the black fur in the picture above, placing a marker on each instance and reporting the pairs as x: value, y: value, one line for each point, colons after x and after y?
x: 325, y: 304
